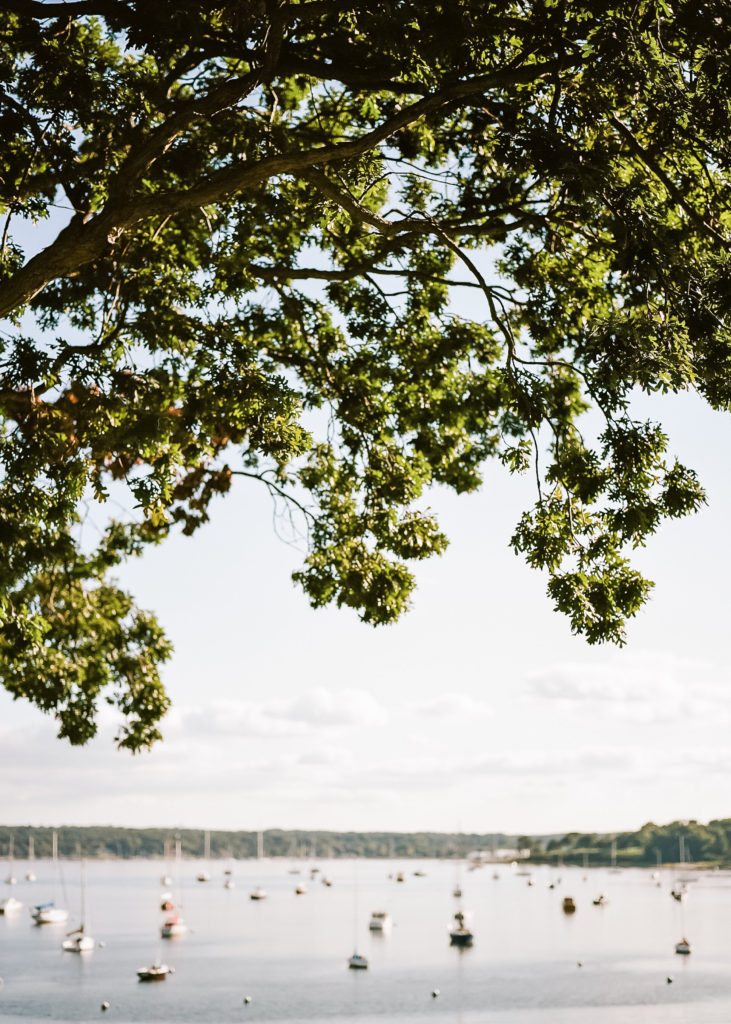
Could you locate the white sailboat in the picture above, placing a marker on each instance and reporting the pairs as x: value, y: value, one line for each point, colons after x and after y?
x: 11, y: 879
x: 679, y: 891
x: 258, y: 893
x: 204, y: 875
x: 48, y: 912
x: 614, y: 870
x: 174, y: 926
x: 79, y: 940
x: 10, y: 905
x: 30, y: 874
x: 166, y: 880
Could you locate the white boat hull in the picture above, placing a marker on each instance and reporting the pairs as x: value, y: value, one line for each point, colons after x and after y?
x: 53, y: 915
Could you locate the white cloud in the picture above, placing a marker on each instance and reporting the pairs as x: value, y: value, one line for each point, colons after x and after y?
x: 448, y: 704
x: 296, y: 716
x: 650, y: 688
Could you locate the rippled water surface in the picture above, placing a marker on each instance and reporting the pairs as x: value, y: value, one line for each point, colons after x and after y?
x: 289, y: 953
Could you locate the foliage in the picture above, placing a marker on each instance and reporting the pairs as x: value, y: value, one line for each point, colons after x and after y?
x: 97, y: 841
x: 702, y: 843
x: 266, y: 217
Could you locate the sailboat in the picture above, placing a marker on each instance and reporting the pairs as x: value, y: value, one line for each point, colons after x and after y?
x: 258, y: 893
x: 11, y: 879
x: 166, y: 879
x: 30, y: 874
x: 174, y: 926
x: 48, y: 912
x: 357, y: 961
x: 79, y: 941
x: 679, y: 890
x: 10, y: 905
x: 204, y: 876
x: 614, y: 870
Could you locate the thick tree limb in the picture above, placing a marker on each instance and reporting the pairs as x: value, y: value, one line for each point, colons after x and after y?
x: 83, y: 240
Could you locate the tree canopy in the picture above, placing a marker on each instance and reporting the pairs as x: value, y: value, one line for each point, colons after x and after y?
x: 262, y: 220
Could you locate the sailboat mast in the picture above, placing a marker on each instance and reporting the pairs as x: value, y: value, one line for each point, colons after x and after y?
x: 54, y: 846
x: 207, y: 845
x: 31, y: 848
x: 83, y: 895
x: 259, y: 844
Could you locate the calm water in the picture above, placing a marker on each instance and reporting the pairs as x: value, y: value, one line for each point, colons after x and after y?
x: 289, y: 953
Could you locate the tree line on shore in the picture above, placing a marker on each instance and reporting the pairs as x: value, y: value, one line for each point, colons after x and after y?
x: 651, y: 844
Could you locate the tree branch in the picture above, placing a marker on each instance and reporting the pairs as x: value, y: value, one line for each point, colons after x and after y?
x: 83, y: 240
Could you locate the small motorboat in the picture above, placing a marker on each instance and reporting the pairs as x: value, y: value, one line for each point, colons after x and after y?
x: 358, y: 962
x: 380, y: 921
x: 261, y: 894
x: 300, y: 890
x: 569, y: 907
x: 600, y: 900
x: 166, y: 902
x: 682, y: 947
x: 400, y: 877
x: 10, y: 905
x: 679, y: 892
x: 78, y: 942
x: 157, y: 972
x: 420, y: 874
x: 327, y: 882
x: 173, y: 927
x: 49, y: 913
x: 457, y: 892
x: 460, y: 934
x: 203, y: 876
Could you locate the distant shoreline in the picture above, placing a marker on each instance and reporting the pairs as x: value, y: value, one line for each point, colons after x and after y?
x: 680, y: 844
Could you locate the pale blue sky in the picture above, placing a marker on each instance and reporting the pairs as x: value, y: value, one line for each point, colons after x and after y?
x: 478, y: 710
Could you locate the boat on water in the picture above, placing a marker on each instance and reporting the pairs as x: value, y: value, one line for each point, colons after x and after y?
x: 30, y: 875
x: 460, y: 934
x: 10, y: 906
x: 49, y: 913
x: 203, y: 876
x: 259, y: 893
x: 400, y: 877
x: 166, y: 901
x: 419, y: 874
x: 156, y: 972
x: 229, y: 883
x: 173, y: 927
x: 300, y: 890
x: 457, y: 892
x: 380, y: 921
x: 327, y: 882
x: 683, y: 947
x: 11, y: 879
x: 358, y: 962
x: 569, y: 907
x: 679, y: 891
x: 600, y: 900
x: 78, y: 941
